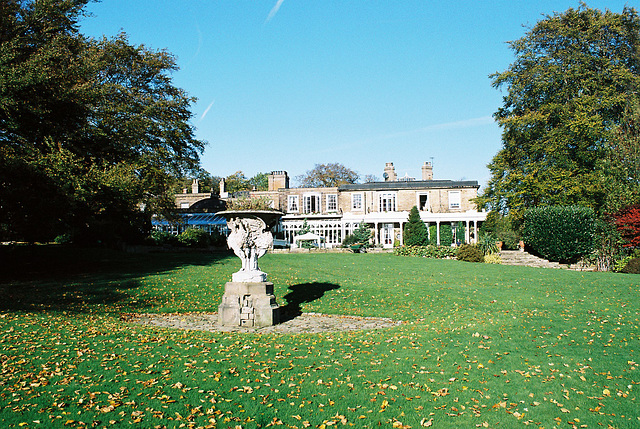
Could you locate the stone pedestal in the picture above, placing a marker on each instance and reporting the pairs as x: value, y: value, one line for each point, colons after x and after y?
x: 250, y: 304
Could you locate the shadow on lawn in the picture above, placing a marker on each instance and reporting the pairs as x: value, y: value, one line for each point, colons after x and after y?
x: 75, y: 279
x: 300, y: 294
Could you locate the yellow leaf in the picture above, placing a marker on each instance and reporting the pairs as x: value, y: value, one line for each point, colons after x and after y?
x: 606, y: 392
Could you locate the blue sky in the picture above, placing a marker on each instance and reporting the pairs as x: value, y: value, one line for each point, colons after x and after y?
x: 287, y: 84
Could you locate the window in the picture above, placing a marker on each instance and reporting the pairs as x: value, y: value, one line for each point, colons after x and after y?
x: 356, y: 201
x: 311, y: 203
x: 292, y: 205
x: 454, y: 200
x: 387, y: 202
x: 423, y: 202
x: 332, y: 203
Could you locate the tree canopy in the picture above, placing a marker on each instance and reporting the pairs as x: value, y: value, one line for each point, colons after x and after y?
x: 327, y: 175
x: 569, y: 92
x: 92, y: 132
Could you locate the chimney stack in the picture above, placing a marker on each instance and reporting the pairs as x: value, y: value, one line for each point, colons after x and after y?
x: 278, y: 180
x: 389, y: 173
x: 427, y: 171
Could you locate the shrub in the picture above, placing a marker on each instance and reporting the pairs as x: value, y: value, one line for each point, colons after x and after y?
x: 560, y: 233
x: 436, y: 252
x: 503, y: 228
x: 415, y: 231
x: 218, y: 239
x: 446, y: 234
x: 632, y: 267
x: 161, y: 238
x: 194, y: 237
x: 349, y: 240
x: 492, y: 258
x: 363, y: 234
x: 487, y: 243
x: 460, y: 233
x: 63, y: 239
x: 470, y: 253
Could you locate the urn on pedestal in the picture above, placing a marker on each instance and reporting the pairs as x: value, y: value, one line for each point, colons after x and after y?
x: 248, y: 299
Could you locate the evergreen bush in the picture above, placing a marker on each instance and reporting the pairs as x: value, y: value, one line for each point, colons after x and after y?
x: 470, y: 253
x: 460, y: 233
x: 361, y: 235
x: 560, y: 233
x: 415, y: 231
x: 446, y: 234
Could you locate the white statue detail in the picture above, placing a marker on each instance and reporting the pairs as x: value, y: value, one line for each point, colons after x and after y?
x: 250, y: 238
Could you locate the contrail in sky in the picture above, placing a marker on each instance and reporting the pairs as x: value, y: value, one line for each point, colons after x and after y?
x: 207, y: 109
x: 274, y: 10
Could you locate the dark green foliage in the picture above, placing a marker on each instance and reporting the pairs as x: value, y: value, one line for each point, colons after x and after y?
x: 91, y: 131
x: 415, y: 231
x: 567, y: 93
x: 162, y: 238
x: 446, y: 234
x: 487, y: 243
x: 194, y: 237
x: 503, y: 228
x: 460, y: 233
x: 360, y: 240
x: 470, y: 253
x: 632, y: 267
x: 349, y: 240
x: 218, y: 239
x: 436, y: 252
x: 560, y: 233
x: 433, y: 235
x: 363, y: 234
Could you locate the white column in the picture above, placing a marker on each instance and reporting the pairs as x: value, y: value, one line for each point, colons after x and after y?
x: 376, y: 234
x: 438, y: 232
x: 467, y: 233
x: 475, y: 231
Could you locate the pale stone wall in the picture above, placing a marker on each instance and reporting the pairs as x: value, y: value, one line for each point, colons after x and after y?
x: 183, y: 199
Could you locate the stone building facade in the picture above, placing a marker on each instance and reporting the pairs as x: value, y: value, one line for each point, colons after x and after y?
x: 333, y: 213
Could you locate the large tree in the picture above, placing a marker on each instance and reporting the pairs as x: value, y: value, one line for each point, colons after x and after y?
x: 327, y: 175
x: 575, y: 75
x: 92, y: 132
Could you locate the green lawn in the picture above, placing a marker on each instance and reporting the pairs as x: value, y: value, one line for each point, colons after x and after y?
x: 482, y: 346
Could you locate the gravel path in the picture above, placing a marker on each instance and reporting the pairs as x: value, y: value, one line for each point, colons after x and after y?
x: 310, y: 323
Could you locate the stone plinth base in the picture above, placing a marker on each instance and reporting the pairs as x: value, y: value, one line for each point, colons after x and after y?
x: 248, y: 304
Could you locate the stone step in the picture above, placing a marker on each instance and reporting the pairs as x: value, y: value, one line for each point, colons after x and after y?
x: 516, y: 257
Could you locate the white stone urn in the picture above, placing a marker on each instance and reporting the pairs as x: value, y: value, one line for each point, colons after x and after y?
x: 248, y: 299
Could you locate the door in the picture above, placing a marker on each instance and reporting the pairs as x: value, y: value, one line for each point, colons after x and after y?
x: 387, y: 235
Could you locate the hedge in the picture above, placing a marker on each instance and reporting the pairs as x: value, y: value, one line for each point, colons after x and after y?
x: 560, y: 233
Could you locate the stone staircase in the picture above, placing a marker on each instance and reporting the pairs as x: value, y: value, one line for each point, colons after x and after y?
x: 516, y: 257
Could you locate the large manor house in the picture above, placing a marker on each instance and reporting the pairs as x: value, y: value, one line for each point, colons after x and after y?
x: 334, y: 212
